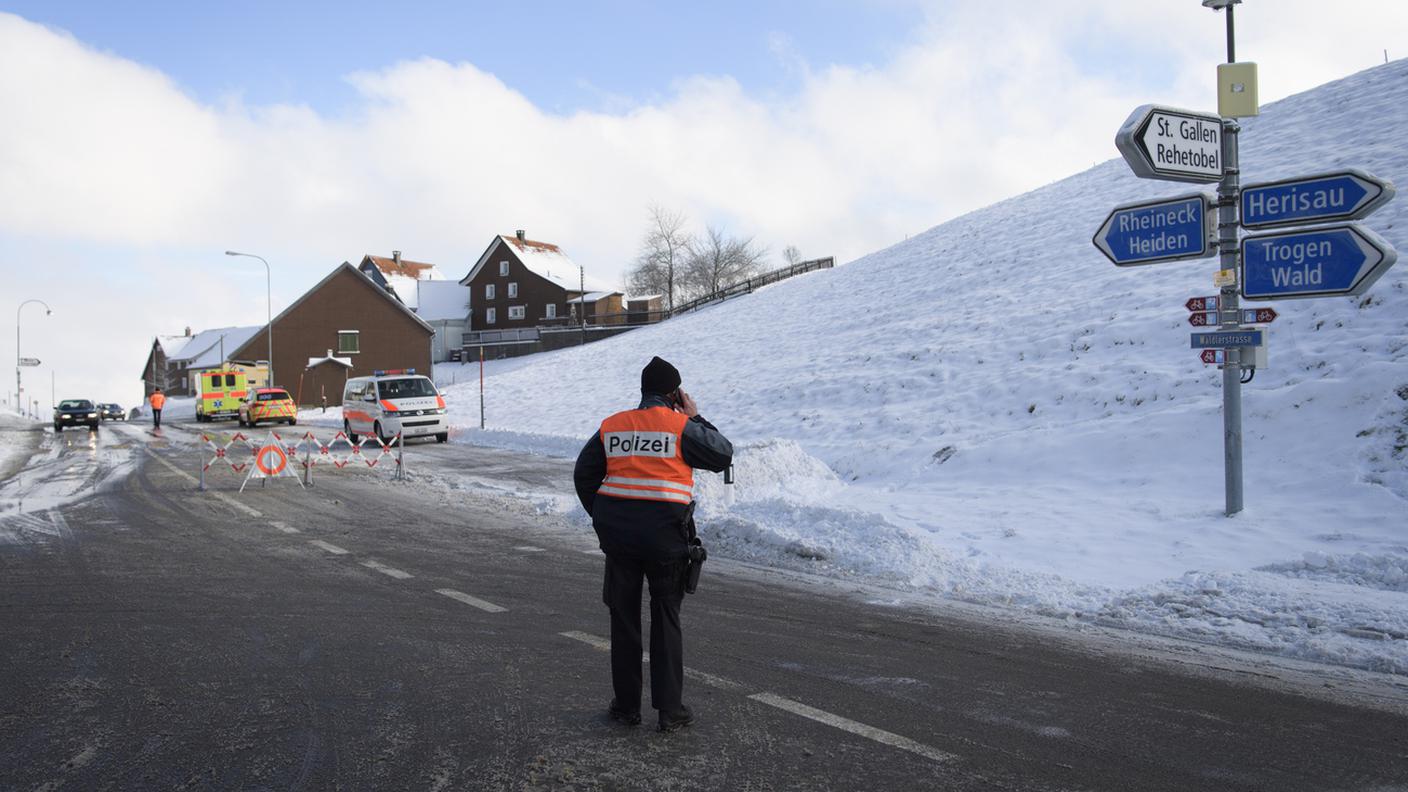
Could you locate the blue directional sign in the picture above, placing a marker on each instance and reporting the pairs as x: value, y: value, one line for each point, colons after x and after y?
x: 1226, y: 339
x: 1318, y: 262
x: 1148, y: 233
x: 1343, y: 195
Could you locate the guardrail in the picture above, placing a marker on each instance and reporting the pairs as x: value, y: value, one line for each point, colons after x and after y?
x: 525, y: 335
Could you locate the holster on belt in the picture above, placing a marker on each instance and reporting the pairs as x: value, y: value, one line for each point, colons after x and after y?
x: 697, y: 552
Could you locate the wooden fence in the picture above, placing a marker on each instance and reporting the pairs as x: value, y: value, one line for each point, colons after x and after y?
x: 531, y: 338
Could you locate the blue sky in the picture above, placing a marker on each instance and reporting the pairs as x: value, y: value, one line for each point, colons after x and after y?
x: 143, y: 139
x: 563, y: 56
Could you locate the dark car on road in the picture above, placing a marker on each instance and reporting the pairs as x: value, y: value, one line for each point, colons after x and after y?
x: 76, y: 412
x: 112, y: 412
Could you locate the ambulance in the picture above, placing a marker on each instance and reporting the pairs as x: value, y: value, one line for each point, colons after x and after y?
x: 392, y: 401
x: 219, y: 394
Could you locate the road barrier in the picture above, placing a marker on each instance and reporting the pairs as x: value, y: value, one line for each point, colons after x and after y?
x: 276, y: 456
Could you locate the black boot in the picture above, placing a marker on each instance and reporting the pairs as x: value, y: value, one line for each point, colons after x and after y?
x: 622, y: 715
x: 671, y: 721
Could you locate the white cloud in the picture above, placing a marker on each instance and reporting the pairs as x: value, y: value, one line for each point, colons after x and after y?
x: 437, y: 157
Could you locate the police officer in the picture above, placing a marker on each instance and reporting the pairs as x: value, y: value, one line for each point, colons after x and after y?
x: 635, y: 478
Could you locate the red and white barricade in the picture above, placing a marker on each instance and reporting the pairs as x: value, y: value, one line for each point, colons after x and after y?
x: 276, y: 456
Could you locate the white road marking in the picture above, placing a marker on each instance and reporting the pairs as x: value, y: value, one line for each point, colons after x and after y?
x: 231, y: 502
x: 596, y: 553
x: 386, y: 570
x: 474, y: 601
x: 285, y: 527
x: 854, y: 727
x: 713, y: 681
x: 530, y: 549
x: 590, y: 640
x: 796, y: 708
x: 227, y: 500
x: 331, y: 548
x: 604, y: 645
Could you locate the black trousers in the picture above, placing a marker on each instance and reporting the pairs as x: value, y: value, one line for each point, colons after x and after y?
x: 156, y: 417
x: 621, y: 593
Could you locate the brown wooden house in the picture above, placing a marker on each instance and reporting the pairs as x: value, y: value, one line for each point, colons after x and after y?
x: 521, y: 283
x: 345, y: 326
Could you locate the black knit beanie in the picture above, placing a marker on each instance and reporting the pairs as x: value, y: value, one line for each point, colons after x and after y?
x: 659, y: 376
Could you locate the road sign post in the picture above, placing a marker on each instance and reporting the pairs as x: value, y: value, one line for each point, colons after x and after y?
x: 1187, y: 146
x: 1227, y: 224
x: 29, y: 361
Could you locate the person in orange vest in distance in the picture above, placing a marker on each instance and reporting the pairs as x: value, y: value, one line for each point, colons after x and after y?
x: 158, y: 400
x: 635, y: 478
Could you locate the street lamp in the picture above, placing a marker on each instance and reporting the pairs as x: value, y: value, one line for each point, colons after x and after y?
x: 269, y: 303
x: 1219, y: 5
x: 19, y: 385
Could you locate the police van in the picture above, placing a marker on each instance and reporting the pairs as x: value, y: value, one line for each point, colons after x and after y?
x: 393, y: 401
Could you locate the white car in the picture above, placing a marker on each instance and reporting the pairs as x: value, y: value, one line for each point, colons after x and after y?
x: 391, y: 402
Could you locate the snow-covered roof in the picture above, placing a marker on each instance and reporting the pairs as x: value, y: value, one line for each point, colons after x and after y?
x: 204, y: 349
x: 401, y: 276
x: 592, y: 297
x: 545, y: 260
x: 404, y: 268
x: 172, y: 345
x: 441, y: 299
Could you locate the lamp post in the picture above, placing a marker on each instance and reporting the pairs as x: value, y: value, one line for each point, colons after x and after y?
x: 1228, y: 191
x: 269, y: 307
x: 19, y: 385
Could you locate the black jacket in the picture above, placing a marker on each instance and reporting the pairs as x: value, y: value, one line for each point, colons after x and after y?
x: 643, y: 529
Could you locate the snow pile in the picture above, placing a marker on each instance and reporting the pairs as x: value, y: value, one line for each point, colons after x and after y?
x: 177, y: 408
x: 992, y: 411
x: 16, y: 440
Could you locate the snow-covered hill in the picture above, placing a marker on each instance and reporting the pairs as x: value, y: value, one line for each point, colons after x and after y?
x: 992, y: 411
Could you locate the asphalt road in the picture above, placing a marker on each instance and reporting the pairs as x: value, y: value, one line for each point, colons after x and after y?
x: 373, y: 634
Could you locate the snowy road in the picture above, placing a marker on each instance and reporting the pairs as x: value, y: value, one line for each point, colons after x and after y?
x: 372, y: 634
x: 44, y: 470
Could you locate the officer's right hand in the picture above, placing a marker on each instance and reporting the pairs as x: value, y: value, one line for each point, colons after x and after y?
x: 686, y: 404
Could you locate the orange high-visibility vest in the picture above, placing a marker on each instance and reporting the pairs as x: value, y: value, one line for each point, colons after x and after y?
x: 643, y: 458
x: 158, y: 400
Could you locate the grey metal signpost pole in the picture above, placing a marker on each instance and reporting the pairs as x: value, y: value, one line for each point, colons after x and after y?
x: 1228, y: 198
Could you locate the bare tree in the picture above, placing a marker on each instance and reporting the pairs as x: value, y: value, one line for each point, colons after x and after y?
x: 792, y: 255
x: 664, y: 250
x: 717, y: 261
